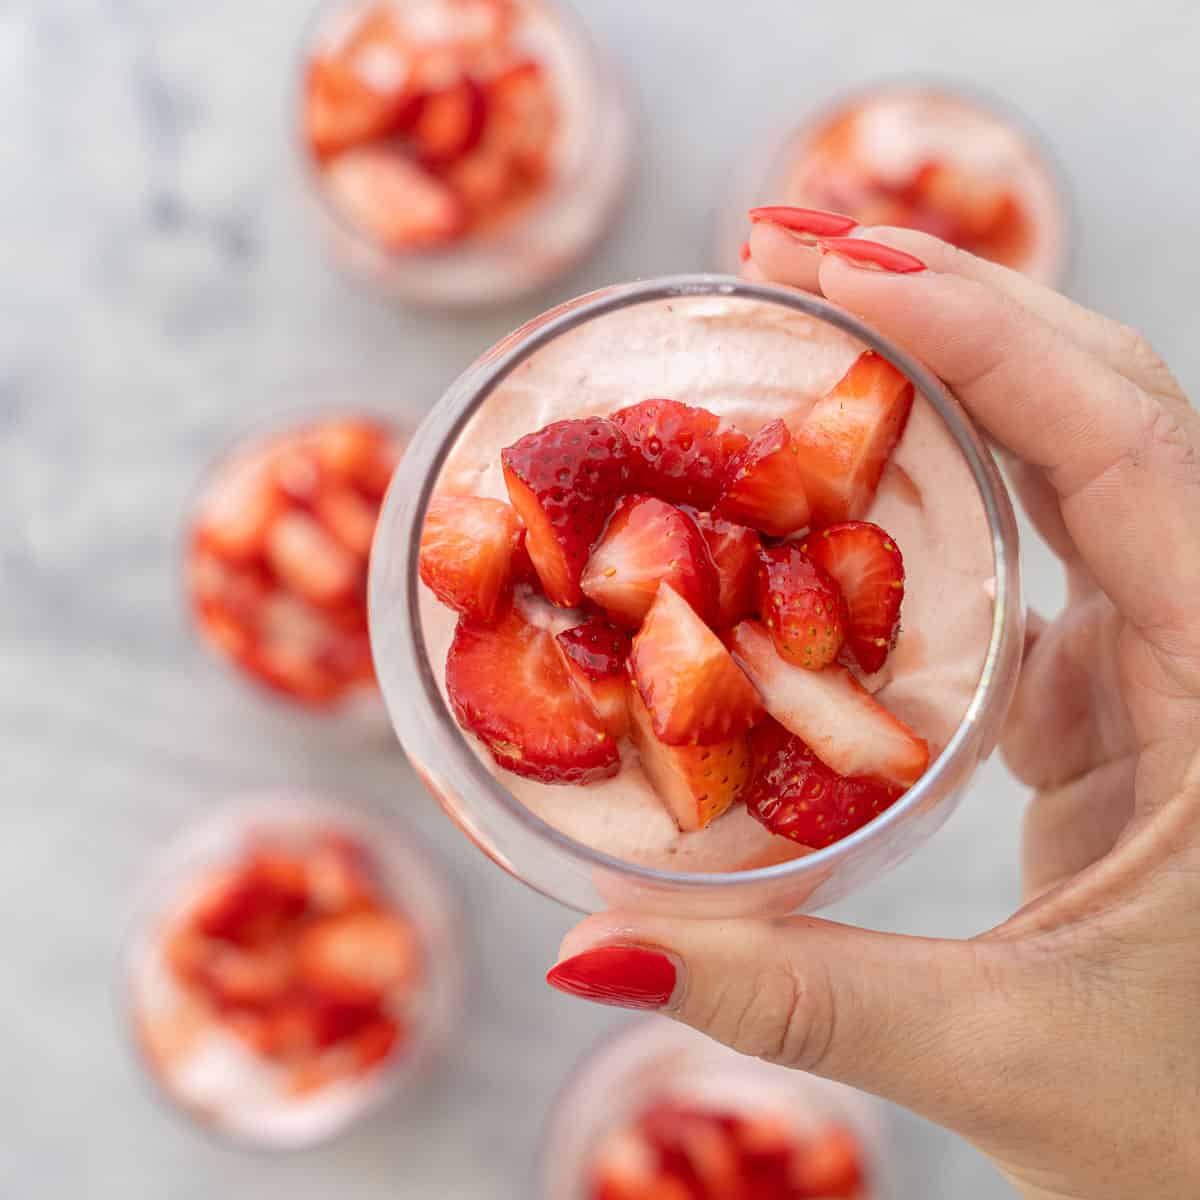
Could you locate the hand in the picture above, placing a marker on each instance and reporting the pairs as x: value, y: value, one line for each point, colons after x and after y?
x: 1066, y: 1042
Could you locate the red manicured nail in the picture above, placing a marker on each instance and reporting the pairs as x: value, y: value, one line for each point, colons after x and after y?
x: 744, y: 252
x: 873, y: 255
x: 808, y: 224
x: 626, y: 976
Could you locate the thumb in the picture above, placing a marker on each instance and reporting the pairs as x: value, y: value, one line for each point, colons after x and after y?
x: 921, y: 1022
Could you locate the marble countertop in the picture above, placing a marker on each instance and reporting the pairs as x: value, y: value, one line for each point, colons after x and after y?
x: 159, y: 290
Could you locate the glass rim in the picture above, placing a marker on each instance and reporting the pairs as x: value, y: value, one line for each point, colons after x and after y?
x: 414, y: 483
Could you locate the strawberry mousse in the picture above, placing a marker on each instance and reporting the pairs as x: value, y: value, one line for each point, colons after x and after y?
x: 711, y: 585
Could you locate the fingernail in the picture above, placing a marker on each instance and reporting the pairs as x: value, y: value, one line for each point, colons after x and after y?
x: 744, y: 252
x: 625, y: 976
x: 873, y: 256
x: 808, y: 224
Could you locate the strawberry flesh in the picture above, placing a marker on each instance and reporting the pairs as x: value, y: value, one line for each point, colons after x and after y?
x: 344, y: 110
x: 830, y: 1165
x: 734, y: 550
x: 449, y: 123
x: 763, y: 486
x: 356, y: 958
x: 596, y: 654
x: 801, y: 606
x: 524, y: 115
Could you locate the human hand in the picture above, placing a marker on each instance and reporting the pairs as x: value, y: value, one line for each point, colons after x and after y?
x: 1063, y: 1043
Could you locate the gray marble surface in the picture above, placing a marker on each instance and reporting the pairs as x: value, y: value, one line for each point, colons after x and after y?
x: 159, y: 290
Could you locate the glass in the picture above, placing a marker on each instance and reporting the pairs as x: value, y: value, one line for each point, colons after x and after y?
x: 534, y: 851
x: 243, y: 1101
x: 575, y: 202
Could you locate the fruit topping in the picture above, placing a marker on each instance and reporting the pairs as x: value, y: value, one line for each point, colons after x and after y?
x: 524, y: 115
x: 763, y: 486
x: 356, y: 958
x: 309, y: 562
x: 830, y: 1165
x: 449, y: 123
x: 734, y: 550
x: 596, y: 654
x: 343, y: 109
x: 801, y: 607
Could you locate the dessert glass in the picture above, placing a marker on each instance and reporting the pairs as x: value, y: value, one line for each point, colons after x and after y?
x: 654, y: 1059
x: 530, y: 848
x: 234, y: 1094
x: 572, y: 207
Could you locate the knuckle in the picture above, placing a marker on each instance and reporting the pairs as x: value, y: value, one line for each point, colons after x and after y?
x: 788, y: 1017
x: 1144, y: 362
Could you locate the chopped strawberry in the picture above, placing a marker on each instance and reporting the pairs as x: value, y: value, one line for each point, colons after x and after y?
x: 848, y: 437
x: 251, y: 905
x: 394, y: 199
x: 649, y: 542
x: 356, y: 451
x: 596, y: 654
x: 449, y: 122
x: 376, y: 1042
x: 846, y: 726
x: 763, y: 486
x: 344, y: 110
x: 830, y: 1166
x: 970, y: 200
x: 357, y: 958
x: 695, y: 692
x: 869, y: 571
x: 349, y: 516
x: 246, y: 977
x: 234, y: 516
x: 627, y: 1168
x: 564, y: 480
x: 310, y: 563
x: 467, y: 553
x: 694, y: 1145
x: 695, y: 783
x: 795, y: 795
x: 524, y: 114
x: 801, y: 607
x: 734, y: 550
x: 508, y: 685
x: 681, y: 452
x: 340, y: 879
x: 483, y: 180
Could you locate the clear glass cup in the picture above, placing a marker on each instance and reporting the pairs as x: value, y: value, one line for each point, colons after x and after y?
x: 572, y: 209
x: 930, y: 121
x: 233, y: 1093
x: 654, y: 1059
x: 548, y: 860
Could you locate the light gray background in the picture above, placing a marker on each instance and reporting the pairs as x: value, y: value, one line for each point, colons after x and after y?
x: 159, y: 290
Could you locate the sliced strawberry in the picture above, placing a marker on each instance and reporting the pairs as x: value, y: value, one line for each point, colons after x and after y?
x: 564, y: 480
x: 801, y: 607
x: 393, y: 199
x: 763, y: 486
x: 357, y: 958
x: 695, y: 783
x: 356, y: 451
x: 483, y: 180
x: 734, y: 550
x: 238, y: 508
x: 252, y: 904
x: 340, y: 876
x: 449, y: 122
x: 649, y: 542
x: 830, y: 1165
x: 869, y: 571
x: 343, y: 109
x: 626, y: 1168
x: 349, y: 516
x: 972, y: 202
x: 524, y: 115
x: 467, y: 553
x: 508, y: 685
x: 848, y: 437
x: 376, y: 1042
x: 681, y: 452
x: 596, y: 654
x: 846, y: 726
x: 695, y: 692
x: 310, y: 563
x: 247, y: 977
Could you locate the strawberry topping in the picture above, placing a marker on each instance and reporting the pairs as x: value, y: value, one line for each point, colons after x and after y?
x: 356, y: 958
x: 449, y: 123
x: 596, y: 654
x: 801, y: 607
x: 763, y: 486
x: 734, y: 550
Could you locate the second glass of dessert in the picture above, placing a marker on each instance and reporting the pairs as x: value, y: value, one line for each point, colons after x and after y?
x: 697, y: 595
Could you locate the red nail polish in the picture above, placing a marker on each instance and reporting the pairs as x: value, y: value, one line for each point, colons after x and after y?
x: 808, y: 224
x: 873, y: 255
x: 626, y: 976
x: 744, y: 252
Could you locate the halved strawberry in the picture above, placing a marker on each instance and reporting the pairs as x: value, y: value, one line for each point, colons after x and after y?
x: 681, y: 452
x: 795, y: 795
x: 649, y: 542
x: 238, y: 508
x: 763, y: 486
x: 869, y: 571
x: 467, y: 551
x: 801, y: 607
x: 596, y: 654
x: 846, y: 726
x: 394, y: 199
x: 524, y: 114
x: 696, y: 783
x: 695, y: 1145
x: 349, y: 516
x: 251, y: 904
x: 309, y: 562
x: 357, y: 958
x: 734, y: 550
x: 830, y: 1165
x: 508, y: 685
x: 246, y: 977
x: 356, y: 451
x: 626, y: 1168
x: 970, y: 200
x: 342, y: 109
x: 564, y: 480
x: 340, y: 876
x: 696, y: 693
x: 449, y: 122
x: 848, y: 437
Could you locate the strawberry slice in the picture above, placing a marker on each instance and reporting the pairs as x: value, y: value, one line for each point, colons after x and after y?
x: 357, y: 958
x: 734, y: 550
x: 696, y: 1146
x: 349, y: 516
x: 970, y: 200
x: 626, y: 1168
x: 340, y: 876
x: 357, y: 452
x: 649, y: 542
x: 795, y: 795
x: 240, y: 977
x: 681, y: 452
x: 253, y: 903
x: 524, y: 115
x: 238, y: 509
x: 309, y: 562
x: 801, y: 607
x: 393, y: 199
x: 695, y: 692
x: 695, y: 783
x: 449, y: 122
x: 564, y: 480
x: 869, y: 571
x: 763, y: 486
x: 467, y: 553
x: 830, y: 1166
x: 342, y: 109
x: 846, y: 726
x: 596, y: 654
x: 508, y: 685
x: 848, y: 437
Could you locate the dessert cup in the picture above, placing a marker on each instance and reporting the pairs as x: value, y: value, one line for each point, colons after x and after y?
x: 491, y: 257
x: 534, y: 849
x: 654, y: 1059
x: 213, y: 1076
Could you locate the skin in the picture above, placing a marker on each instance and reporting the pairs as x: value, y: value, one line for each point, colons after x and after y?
x: 1065, y: 1043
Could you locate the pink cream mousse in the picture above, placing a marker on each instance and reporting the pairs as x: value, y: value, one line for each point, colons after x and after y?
x: 713, y: 588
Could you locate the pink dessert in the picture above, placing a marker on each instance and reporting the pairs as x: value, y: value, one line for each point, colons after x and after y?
x: 709, y: 609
